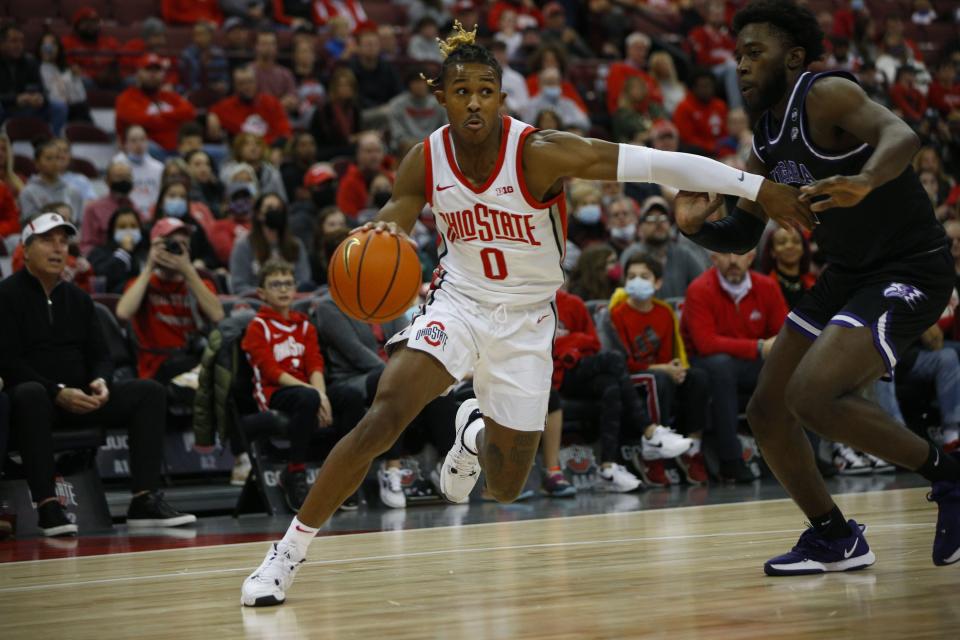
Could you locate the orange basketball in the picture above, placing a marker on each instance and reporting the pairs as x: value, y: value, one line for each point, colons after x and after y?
x: 374, y: 277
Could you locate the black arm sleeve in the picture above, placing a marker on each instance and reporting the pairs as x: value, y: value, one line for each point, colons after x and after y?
x: 739, y: 232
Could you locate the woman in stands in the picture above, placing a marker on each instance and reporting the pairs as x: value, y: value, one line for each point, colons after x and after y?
x: 252, y: 149
x: 174, y: 202
x: 125, y: 253
x: 61, y: 83
x: 269, y: 237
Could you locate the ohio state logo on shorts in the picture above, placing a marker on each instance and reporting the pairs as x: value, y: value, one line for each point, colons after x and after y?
x: 434, y: 334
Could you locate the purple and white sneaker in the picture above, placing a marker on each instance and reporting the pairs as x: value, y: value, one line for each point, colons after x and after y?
x: 946, y: 541
x: 816, y: 554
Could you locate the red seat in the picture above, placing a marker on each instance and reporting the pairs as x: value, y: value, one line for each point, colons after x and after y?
x: 86, y: 132
x: 128, y: 11
x: 79, y: 165
x: 24, y: 166
x: 101, y: 98
x: 27, y: 128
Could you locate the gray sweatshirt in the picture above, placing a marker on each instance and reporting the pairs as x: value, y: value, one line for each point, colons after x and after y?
x: 244, y: 267
x: 682, y: 266
x: 414, y: 118
x: 38, y: 193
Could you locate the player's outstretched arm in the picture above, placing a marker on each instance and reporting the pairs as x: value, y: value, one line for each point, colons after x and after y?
x: 560, y: 155
x: 408, y: 197
x: 838, y: 103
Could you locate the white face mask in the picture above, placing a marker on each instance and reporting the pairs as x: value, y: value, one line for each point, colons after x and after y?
x: 121, y: 234
x: 640, y: 289
x: 624, y: 234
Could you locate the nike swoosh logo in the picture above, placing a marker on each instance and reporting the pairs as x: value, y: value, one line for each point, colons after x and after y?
x: 439, y: 188
x: 847, y: 554
x: 300, y: 529
x: 742, y: 176
x: 540, y: 319
x: 936, y: 460
x: 351, y: 243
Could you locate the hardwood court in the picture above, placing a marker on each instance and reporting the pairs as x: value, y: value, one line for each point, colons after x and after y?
x: 691, y: 572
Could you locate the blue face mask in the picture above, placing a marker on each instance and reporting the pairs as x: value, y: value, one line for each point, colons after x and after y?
x: 121, y: 234
x: 588, y: 214
x: 175, y: 207
x: 551, y: 93
x: 640, y: 289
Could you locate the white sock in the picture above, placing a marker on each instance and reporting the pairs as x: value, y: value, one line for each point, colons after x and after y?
x: 470, y: 435
x: 299, y: 536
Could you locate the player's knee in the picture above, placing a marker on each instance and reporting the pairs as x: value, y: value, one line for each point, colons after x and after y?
x: 761, y: 414
x: 808, y: 399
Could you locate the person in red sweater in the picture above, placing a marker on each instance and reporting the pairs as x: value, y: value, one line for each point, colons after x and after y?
x: 89, y: 50
x: 159, y: 112
x: 713, y: 46
x: 190, y: 11
x: 581, y: 370
x: 906, y: 100
x: 528, y: 14
x: 283, y: 350
x: 650, y: 332
x: 249, y: 112
x: 701, y: 117
x: 9, y: 212
x: 168, y: 304
x: 354, y: 193
x: 944, y: 93
x: 730, y: 320
x: 634, y: 64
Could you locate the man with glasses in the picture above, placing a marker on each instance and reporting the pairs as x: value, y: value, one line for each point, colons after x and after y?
x: 283, y: 350
x: 681, y: 264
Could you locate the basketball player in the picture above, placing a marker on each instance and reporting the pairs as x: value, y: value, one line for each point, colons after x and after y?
x: 889, y: 278
x: 495, y: 185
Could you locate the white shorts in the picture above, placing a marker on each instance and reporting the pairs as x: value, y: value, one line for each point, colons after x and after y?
x: 508, y: 349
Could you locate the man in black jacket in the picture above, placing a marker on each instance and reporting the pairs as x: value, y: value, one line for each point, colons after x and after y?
x: 21, y: 87
x: 55, y: 362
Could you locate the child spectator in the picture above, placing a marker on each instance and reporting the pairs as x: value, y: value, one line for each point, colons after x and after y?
x: 47, y: 184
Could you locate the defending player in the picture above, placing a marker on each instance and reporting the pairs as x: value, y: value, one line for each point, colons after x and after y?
x: 495, y: 185
x: 889, y: 278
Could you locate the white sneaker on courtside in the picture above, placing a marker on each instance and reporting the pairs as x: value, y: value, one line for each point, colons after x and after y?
x: 461, y: 467
x: 849, y: 462
x: 665, y: 443
x: 879, y: 465
x: 616, y: 479
x: 267, y: 586
x: 391, y: 487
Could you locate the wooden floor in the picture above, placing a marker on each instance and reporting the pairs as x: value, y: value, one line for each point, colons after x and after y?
x: 692, y: 572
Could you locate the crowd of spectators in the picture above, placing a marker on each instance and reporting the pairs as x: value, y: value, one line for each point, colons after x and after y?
x: 271, y: 128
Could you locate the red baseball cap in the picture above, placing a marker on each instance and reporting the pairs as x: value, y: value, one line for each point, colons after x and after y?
x: 153, y: 60
x: 167, y: 226
x: 84, y: 13
x: 318, y: 174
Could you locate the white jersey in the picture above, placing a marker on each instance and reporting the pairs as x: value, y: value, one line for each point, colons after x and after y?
x: 499, y: 245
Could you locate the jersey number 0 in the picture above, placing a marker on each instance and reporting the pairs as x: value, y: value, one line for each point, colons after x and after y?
x: 494, y: 264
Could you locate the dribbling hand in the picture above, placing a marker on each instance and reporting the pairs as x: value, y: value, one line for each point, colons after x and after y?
x: 382, y: 226
x: 783, y: 204
x: 841, y: 191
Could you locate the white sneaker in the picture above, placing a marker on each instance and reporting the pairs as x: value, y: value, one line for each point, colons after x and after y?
x: 878, y: 465
x: 461, y: 468
x: 267, y: 586
x: 241, y: 469
x: 664, y: 444
x: 849, y: 462
x: 616, y: 479
x: 391, y: 488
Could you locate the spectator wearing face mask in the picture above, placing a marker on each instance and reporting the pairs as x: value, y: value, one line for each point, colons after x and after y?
x: 551, y: 98
x: 86, y: 46
x: 331, y: 230
x: 124, y: 253
x: 204, y: 185
x: 586, y: 224
x: 680, y: 264
x: 241, y: 189
x: 301, y: 154
x: 98, y: 213
x: 174, y: 202
x: 147, y: 170
x: 650, y: 333
x: 354, y: 192
x: 622, y: 222
x: 269, y: 237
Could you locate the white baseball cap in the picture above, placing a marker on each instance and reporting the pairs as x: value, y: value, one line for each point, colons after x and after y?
x: 44, y: 223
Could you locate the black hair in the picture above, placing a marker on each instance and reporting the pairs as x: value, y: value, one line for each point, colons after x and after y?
x: 701, y: 72
x: 648, y: 261
x: 189, y: 129
x: 61, y: 60
x: 40, y: 145
x: 796, y: 25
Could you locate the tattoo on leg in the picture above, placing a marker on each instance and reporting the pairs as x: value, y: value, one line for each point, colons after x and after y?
x: 492, y: 459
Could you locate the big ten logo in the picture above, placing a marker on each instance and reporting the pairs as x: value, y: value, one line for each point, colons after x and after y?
x: 66, y: 495
x: 116, y: 442
x: 502, y: 191
x: 271, y: 477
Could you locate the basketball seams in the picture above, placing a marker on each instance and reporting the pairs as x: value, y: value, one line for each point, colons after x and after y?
x: 363, y: 252
x: 393, y: 277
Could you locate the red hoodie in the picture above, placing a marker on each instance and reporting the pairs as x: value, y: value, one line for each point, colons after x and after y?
x: 580, y: 339
x: 701, y: 124
x: 711, y: 323
x: 264, y: 116
x: 160, y: 114
x: 275, y: 345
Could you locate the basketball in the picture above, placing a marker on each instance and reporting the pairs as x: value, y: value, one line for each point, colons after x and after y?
x: 374, y: 277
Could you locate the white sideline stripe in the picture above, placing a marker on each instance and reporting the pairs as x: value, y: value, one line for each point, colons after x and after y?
x: 438, y: 552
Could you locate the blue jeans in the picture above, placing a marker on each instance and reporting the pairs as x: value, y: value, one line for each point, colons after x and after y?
x: 942, y: 368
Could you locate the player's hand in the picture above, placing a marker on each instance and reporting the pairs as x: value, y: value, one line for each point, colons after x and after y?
x: 841, y: 191
x: 325, y: 413
x: 768, y: 347
x: 932, y: 338
x: 692, y: 209
x: 381, y: 226
x: 783, y: 205
x: 76, y: 401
